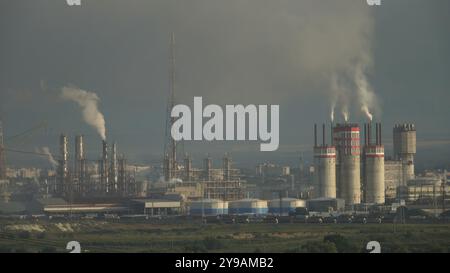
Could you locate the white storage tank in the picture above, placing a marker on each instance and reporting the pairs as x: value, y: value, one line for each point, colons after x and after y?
x: 287, y: 205
x: 208, y: 207
x: 248, y: 206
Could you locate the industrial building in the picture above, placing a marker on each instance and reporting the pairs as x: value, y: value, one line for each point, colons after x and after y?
x: 344, y: 170
x: 221, y: 183
x: 325, y: 204
x: 153, y: 207
x: 109, y: 178
x: 405, y: 148
x: 285, y: 206
x: 393, y: 178
x: 431, y: 189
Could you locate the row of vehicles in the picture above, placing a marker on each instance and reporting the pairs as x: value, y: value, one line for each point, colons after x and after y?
x: 300, y: 215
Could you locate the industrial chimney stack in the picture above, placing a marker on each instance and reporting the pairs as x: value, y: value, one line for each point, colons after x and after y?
x: 324, y: 167
x: 373, y: 166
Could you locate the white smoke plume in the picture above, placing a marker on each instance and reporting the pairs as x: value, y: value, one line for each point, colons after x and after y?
x: 333, y: 108
x: 334, y: 96
x: 46, y: 151
x: 88, y: 101
x: 345, y: 114
x: 349, y: 82
x: 340, y: 97
x: 366, y: 95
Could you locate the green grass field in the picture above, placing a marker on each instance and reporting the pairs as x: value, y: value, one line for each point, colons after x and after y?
x: 102, y: 236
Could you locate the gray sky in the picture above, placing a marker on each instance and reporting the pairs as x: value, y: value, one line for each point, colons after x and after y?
x: 230, y: 52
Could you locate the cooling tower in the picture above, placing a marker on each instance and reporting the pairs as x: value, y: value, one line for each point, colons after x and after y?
x: 324, y: 168
x: 373, y: 155
x: 347, y: 141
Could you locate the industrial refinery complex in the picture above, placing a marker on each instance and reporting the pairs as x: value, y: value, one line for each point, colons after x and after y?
x: 349, y: 174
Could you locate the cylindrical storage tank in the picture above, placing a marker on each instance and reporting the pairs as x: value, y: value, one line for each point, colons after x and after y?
x: 208, y: 207
x: 374, y: 174
x: 285, y: 205
x: 248, y: 206
x: 325, y: 171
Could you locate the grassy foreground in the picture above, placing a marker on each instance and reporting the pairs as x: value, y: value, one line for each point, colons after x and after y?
x: 102, y: 236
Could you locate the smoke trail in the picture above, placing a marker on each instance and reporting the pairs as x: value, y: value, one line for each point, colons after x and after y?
x: 88, y: 101
x: 345, y: 113
x: 334, y: 96
x: 349, y: 82
x: 366, y: 96
x: 333, y: 107
x: 46, y: 151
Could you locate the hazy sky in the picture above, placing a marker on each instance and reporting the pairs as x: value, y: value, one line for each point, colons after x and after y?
x: 230, y: 52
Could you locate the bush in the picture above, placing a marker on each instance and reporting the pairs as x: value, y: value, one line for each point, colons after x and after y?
x: 196, y: 248
x: 24, y: 235
x: 318, y: 247
x: 343, y: 245
x: 4, y: 249
x: 41, y: 235
x: 211, y: 243
x: 49, y: 249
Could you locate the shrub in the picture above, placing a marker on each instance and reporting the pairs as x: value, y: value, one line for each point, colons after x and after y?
x: 211, y: 243
x: 343, y: 245
x: 318, y: 247
x: 24, y: 235
x: 49, y: 249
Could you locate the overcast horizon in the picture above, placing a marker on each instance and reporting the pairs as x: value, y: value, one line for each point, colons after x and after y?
x: 230, y: 52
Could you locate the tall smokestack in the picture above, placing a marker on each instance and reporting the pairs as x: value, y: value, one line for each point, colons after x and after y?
x: 331, y: 134
x: 208, y: 167
x: 104, y: 177
x: 113, y: 168
x: 323, y: 134
x: 122, y: 184
x: 80, y: 164
x: 365, y: 134
x: 374, y: 184
x: 226, y: 167
x: 187, y: 167
x: 104, y: 150
x: 379, y: 132
x: 63, y: 168
x: 315, y: 135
